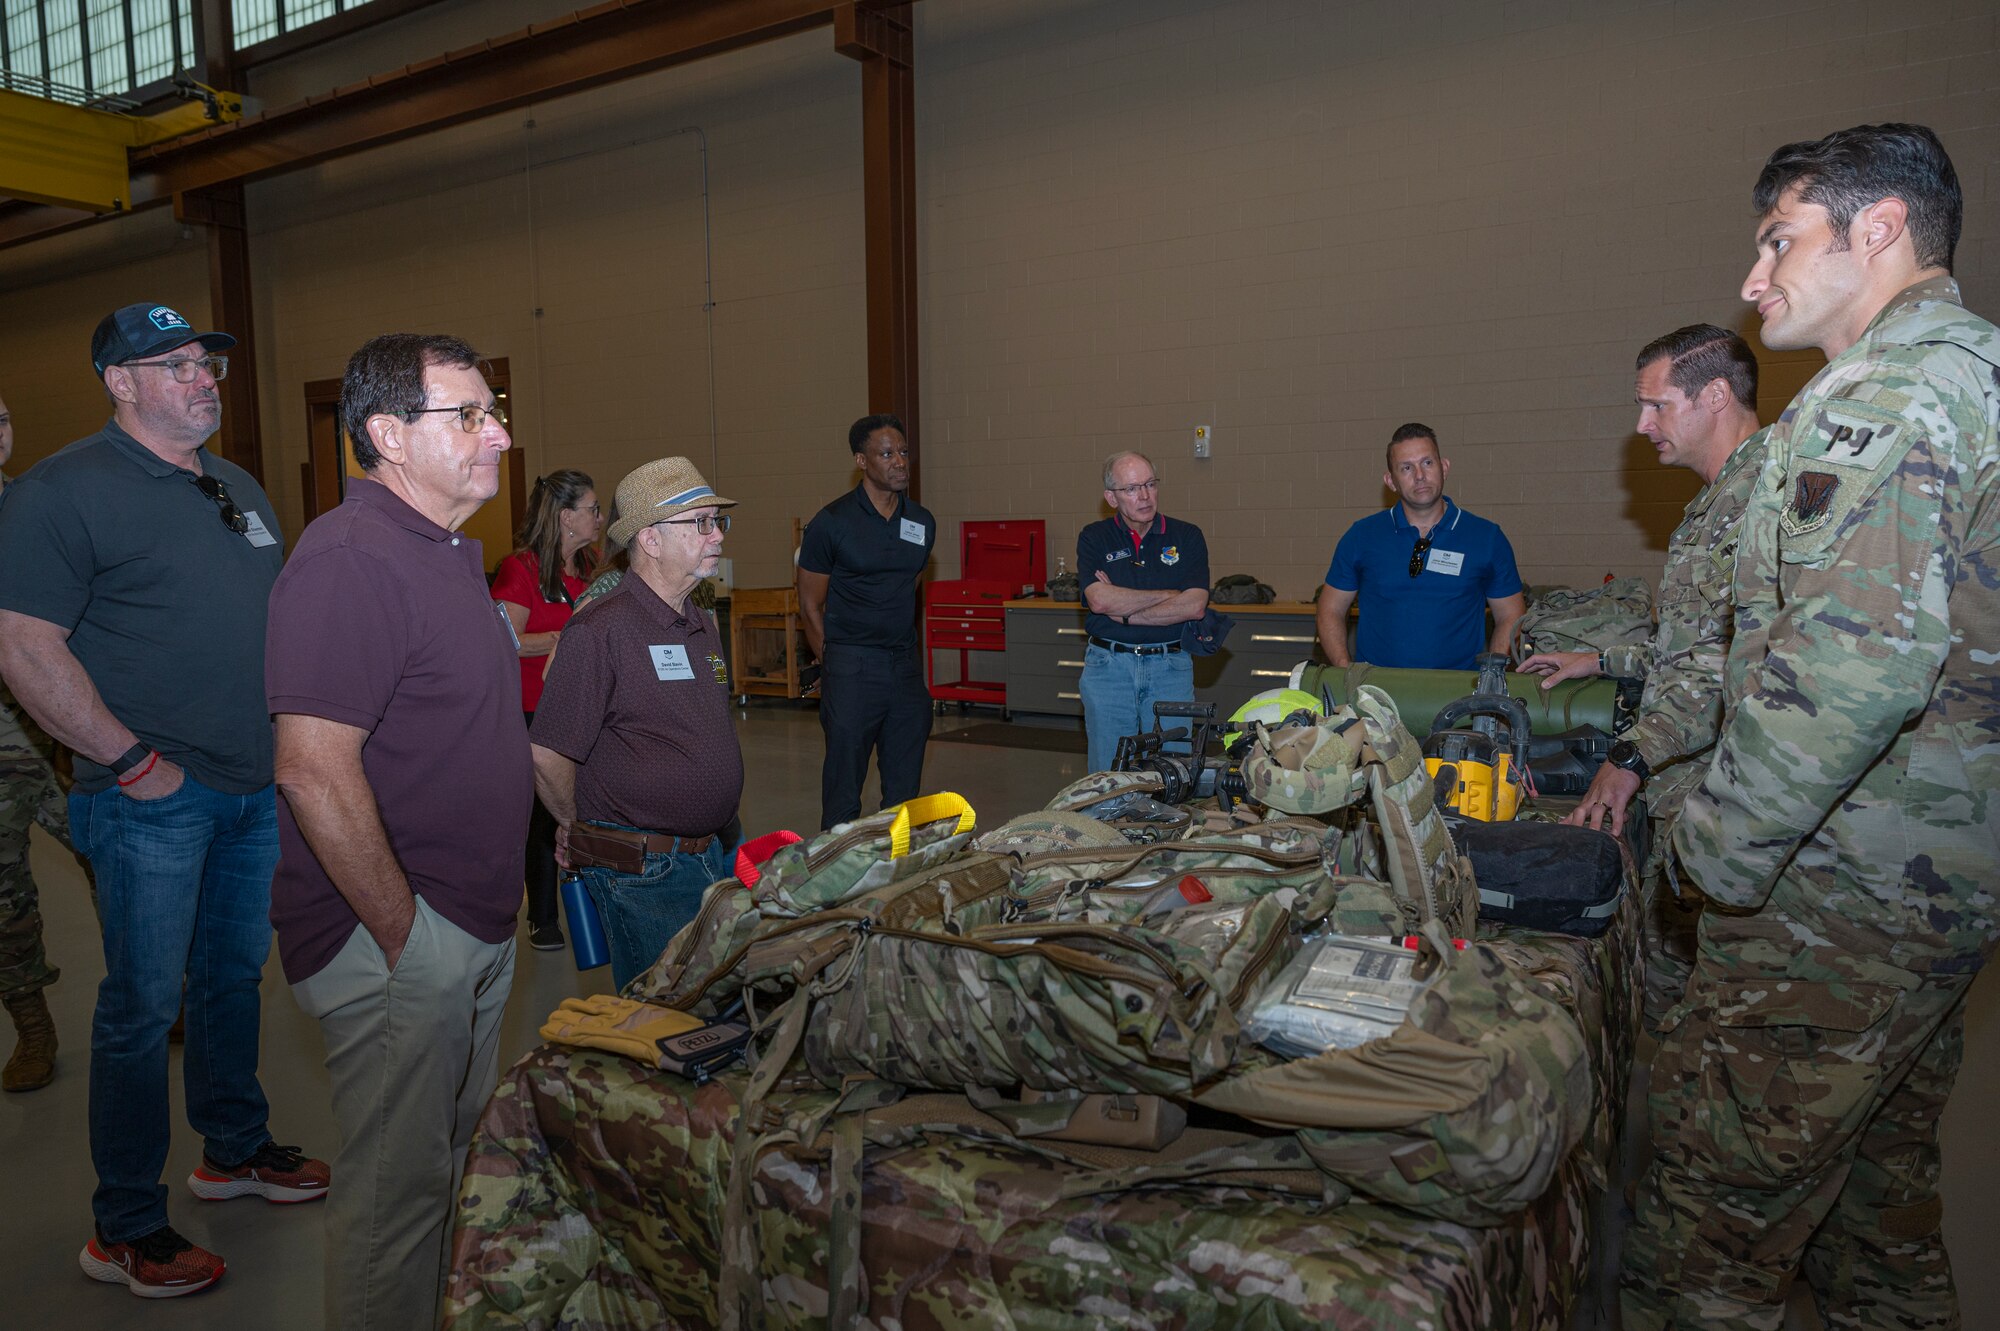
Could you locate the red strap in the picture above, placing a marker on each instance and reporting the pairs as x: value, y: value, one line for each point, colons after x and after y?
x: 133, y: 778
x: 751, y: 854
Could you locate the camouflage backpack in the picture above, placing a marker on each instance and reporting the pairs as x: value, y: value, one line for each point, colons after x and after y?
x: 1065, y: 587
x: 1241, y: 589
x: 1565, y: 619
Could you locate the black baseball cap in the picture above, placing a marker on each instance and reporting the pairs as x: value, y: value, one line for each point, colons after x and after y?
x: 139, y: 331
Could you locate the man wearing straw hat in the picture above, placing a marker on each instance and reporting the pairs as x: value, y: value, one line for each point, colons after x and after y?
x: 635, y: 751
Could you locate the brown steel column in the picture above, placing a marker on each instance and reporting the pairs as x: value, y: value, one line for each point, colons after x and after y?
x: 219, y: 211
x: 879, y: 37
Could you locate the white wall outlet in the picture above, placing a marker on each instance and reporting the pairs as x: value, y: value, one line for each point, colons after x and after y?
x: 1203, y: 437
x: 726, y: 574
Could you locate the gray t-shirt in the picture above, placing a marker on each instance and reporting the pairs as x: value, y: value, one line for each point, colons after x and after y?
x: 164, y: 603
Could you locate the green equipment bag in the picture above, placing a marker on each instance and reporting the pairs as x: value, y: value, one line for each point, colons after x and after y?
x: 1241, y: 589
x: 1589, y: 619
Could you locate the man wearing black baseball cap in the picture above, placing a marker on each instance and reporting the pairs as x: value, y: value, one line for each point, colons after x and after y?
x: 135, y: 568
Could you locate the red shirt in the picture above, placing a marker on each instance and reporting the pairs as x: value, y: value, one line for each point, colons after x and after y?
x: 518, y: 581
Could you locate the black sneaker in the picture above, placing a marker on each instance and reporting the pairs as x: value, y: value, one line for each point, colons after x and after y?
x: 545, y: 937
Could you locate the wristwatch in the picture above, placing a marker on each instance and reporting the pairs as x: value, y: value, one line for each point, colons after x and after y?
x: 1626, y: 754
x: 129, y: 759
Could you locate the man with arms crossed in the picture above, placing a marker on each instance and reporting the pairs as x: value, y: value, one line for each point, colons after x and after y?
x: 403, y: 759
x: 1697, y: 395
x: 1144, y: 575
x: 135, y: 566
x: 1426, y: 572
x: 1847, y: 831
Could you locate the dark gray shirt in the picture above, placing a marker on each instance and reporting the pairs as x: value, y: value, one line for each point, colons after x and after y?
x: 164, y: 603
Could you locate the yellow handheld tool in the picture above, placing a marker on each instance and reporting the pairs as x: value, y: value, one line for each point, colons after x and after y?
x: 1481, y: 773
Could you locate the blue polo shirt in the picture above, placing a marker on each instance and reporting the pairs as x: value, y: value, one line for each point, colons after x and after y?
x: 1169, y: 556
x: 1436, y: 620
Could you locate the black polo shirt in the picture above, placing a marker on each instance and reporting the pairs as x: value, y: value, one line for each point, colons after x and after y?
x: 164, y: 603
x: 874, y: 563
x: 1171, y: 556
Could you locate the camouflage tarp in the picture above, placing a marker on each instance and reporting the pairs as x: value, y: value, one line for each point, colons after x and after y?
x: 596, y: 1191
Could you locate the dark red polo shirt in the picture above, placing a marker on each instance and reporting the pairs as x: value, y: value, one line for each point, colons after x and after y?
x: 638, y: 699
x: 381, y: 620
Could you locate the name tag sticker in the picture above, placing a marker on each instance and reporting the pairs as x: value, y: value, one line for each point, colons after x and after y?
x: 670, y: 661
x: 1448, y: 562
x: 258, y: 534
x: 913, y: 532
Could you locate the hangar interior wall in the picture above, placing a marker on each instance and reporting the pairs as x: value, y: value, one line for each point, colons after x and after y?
x: 1300, y: 223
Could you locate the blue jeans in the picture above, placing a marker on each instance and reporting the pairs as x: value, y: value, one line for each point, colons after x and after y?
x: 1119, y: 690
x: 642, y: 912
x: 184, y: 892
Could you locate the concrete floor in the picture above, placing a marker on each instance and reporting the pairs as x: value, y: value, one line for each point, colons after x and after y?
x: 274, y: 1252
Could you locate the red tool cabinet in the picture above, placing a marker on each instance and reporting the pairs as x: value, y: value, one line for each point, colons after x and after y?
x: 960, y: 618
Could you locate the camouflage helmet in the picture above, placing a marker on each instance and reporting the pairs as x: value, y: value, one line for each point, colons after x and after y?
x: 1307, y: 769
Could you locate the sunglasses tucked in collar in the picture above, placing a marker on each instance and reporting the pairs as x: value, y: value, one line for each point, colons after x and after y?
x: 232, y: 516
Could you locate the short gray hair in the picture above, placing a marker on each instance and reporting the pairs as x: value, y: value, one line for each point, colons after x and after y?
x: 1117, y: 458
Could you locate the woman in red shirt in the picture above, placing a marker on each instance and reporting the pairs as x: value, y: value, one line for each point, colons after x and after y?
x: 537, y: 586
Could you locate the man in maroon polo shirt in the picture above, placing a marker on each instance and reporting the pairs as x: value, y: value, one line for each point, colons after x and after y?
x: 635, y: 752
x: 403, y: 761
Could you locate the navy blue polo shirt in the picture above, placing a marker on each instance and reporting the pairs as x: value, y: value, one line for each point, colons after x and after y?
x: 873, y: 563
x: 1170, y: 556
x: 1436, y: 620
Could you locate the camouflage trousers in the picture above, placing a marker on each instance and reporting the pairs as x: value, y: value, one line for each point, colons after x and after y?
x: 1667, y: 928
x: 1795, y: 1102
x: 28, y: 795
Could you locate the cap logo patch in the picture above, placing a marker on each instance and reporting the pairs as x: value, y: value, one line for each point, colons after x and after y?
x: 1813, y: 495
x: 164, y: 319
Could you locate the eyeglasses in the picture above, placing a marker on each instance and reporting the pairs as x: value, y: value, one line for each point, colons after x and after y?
x: 186, y: 369
x: 588, y: 508
x: 1143, y: 487
x: 1417, y: 555
x: 704, y: 523
x: 232, y: 516
x: 470, y: 419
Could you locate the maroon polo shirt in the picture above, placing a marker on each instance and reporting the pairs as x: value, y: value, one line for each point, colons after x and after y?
x: 381, y: 620
x: 638, y: 699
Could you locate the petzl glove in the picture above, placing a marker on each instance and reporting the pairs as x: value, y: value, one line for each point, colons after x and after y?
x: 620, y: 1025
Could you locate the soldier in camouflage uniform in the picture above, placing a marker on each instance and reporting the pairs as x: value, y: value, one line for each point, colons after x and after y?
x: 28, y: 793
x: 1848, y: 831
x: 1697, y: 395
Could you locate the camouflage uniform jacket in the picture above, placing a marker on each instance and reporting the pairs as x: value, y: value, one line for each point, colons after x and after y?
x: 1681, y: 712
x: 23, y: 745
x: 1855, y: 790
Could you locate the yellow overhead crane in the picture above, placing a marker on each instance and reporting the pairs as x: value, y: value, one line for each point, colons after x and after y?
x: 76, y: 156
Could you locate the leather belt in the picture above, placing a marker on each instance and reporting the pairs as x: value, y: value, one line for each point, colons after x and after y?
x: 624, y: 851
x: 1136, y: 648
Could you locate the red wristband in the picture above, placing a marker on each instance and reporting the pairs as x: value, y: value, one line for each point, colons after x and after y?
x: 140, y: 775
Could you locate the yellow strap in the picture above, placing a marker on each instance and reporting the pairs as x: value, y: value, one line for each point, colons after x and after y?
x: 927, y: 809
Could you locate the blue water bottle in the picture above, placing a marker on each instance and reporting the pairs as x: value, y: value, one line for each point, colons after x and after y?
x: 586, y: 931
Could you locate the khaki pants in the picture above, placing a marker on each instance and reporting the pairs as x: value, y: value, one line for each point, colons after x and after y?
x: 413, y: 1056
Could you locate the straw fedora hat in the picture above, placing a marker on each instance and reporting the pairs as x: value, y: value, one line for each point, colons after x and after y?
x: 658, y: 490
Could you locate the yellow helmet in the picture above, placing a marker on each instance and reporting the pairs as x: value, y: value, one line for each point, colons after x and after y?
x: 1270, y: 706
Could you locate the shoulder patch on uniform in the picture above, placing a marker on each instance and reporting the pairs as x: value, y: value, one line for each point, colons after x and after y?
x: 1813, y: 495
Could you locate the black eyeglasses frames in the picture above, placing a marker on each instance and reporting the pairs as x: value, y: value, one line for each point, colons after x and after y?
x: 1417, y: 555
x: 232, y: 516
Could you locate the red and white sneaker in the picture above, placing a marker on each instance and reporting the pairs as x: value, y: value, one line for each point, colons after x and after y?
x: 276, y: 1173
x: 161, y: 1265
